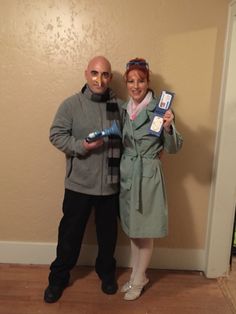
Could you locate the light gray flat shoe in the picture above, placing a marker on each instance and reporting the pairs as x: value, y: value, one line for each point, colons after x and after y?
x: 126, y: 286
x: 135, y: 291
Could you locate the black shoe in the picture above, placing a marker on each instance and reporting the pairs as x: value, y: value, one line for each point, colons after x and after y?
x: 109, y: 286
x: 53, y: 293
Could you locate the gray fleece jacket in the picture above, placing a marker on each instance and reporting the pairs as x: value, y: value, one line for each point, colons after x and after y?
x: 77, y: 116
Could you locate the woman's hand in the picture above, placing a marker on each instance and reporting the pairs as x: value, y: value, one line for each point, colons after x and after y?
x: 93, y: 145
x: 168, y: 118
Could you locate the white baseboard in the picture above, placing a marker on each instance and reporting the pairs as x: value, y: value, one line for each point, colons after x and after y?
x: 44, y: 253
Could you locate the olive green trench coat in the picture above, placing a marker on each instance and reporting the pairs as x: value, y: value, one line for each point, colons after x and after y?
x: 143, y: 203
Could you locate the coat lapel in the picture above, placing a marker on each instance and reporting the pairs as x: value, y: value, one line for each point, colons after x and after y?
x: 145, y: 115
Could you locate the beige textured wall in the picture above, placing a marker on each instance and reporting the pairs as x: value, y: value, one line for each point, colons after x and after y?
x: 44, y: 48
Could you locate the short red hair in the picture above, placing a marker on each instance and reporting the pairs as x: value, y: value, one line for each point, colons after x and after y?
x: 140, y: 65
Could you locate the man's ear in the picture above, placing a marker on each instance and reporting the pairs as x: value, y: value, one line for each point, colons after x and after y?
x: 111, y: 76
x: 85, y: 74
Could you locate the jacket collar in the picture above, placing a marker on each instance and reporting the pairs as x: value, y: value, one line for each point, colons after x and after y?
x: 108, y: 95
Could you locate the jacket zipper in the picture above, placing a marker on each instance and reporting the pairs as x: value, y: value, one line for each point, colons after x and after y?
x: 103, y: 155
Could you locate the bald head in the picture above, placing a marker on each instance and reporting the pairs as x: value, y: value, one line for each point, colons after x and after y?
x: 99, y: 60
x: 98, y: 74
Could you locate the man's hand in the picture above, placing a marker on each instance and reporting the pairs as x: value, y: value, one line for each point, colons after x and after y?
x: 93, y: 145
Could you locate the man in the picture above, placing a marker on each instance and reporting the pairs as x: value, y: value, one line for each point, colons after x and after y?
x: 92, y: 178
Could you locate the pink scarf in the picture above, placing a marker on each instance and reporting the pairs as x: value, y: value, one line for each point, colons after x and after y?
x: 133, y: 110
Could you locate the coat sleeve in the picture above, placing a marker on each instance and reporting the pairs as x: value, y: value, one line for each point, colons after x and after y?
x: 61, y: 132
x: 172, y: 141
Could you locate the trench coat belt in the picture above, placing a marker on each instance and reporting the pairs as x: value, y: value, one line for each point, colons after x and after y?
x: 136, y: 181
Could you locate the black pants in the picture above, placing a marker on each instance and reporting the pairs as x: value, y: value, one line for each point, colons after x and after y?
x: 77, y: 208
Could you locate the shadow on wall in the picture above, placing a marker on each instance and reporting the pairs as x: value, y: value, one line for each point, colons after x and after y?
x: 191, y: 167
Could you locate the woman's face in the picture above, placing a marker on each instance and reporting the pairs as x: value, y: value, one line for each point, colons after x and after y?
x: 137, y: 85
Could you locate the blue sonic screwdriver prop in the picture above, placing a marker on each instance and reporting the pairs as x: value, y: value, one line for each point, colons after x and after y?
x: 113, y: 130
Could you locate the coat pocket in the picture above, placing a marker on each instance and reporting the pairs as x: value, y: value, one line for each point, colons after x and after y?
x: 125, y: 184
x: 148, y: 168
x: 126, y: 172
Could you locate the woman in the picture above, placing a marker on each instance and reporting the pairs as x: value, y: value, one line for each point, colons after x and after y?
x: 143, y: 206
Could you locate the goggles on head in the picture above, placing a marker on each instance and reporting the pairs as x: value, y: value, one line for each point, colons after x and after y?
x: 142, y: 64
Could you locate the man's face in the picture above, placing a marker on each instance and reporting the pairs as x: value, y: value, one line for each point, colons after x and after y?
x: 98, y: 75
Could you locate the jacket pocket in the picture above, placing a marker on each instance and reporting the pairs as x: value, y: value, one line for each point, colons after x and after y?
x: 69, y: 167
x: 79, y: 172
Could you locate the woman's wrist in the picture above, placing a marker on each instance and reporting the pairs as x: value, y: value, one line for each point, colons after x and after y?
x: 169, y: 129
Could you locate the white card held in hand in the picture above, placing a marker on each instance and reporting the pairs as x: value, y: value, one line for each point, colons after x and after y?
x: 156, y: 124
